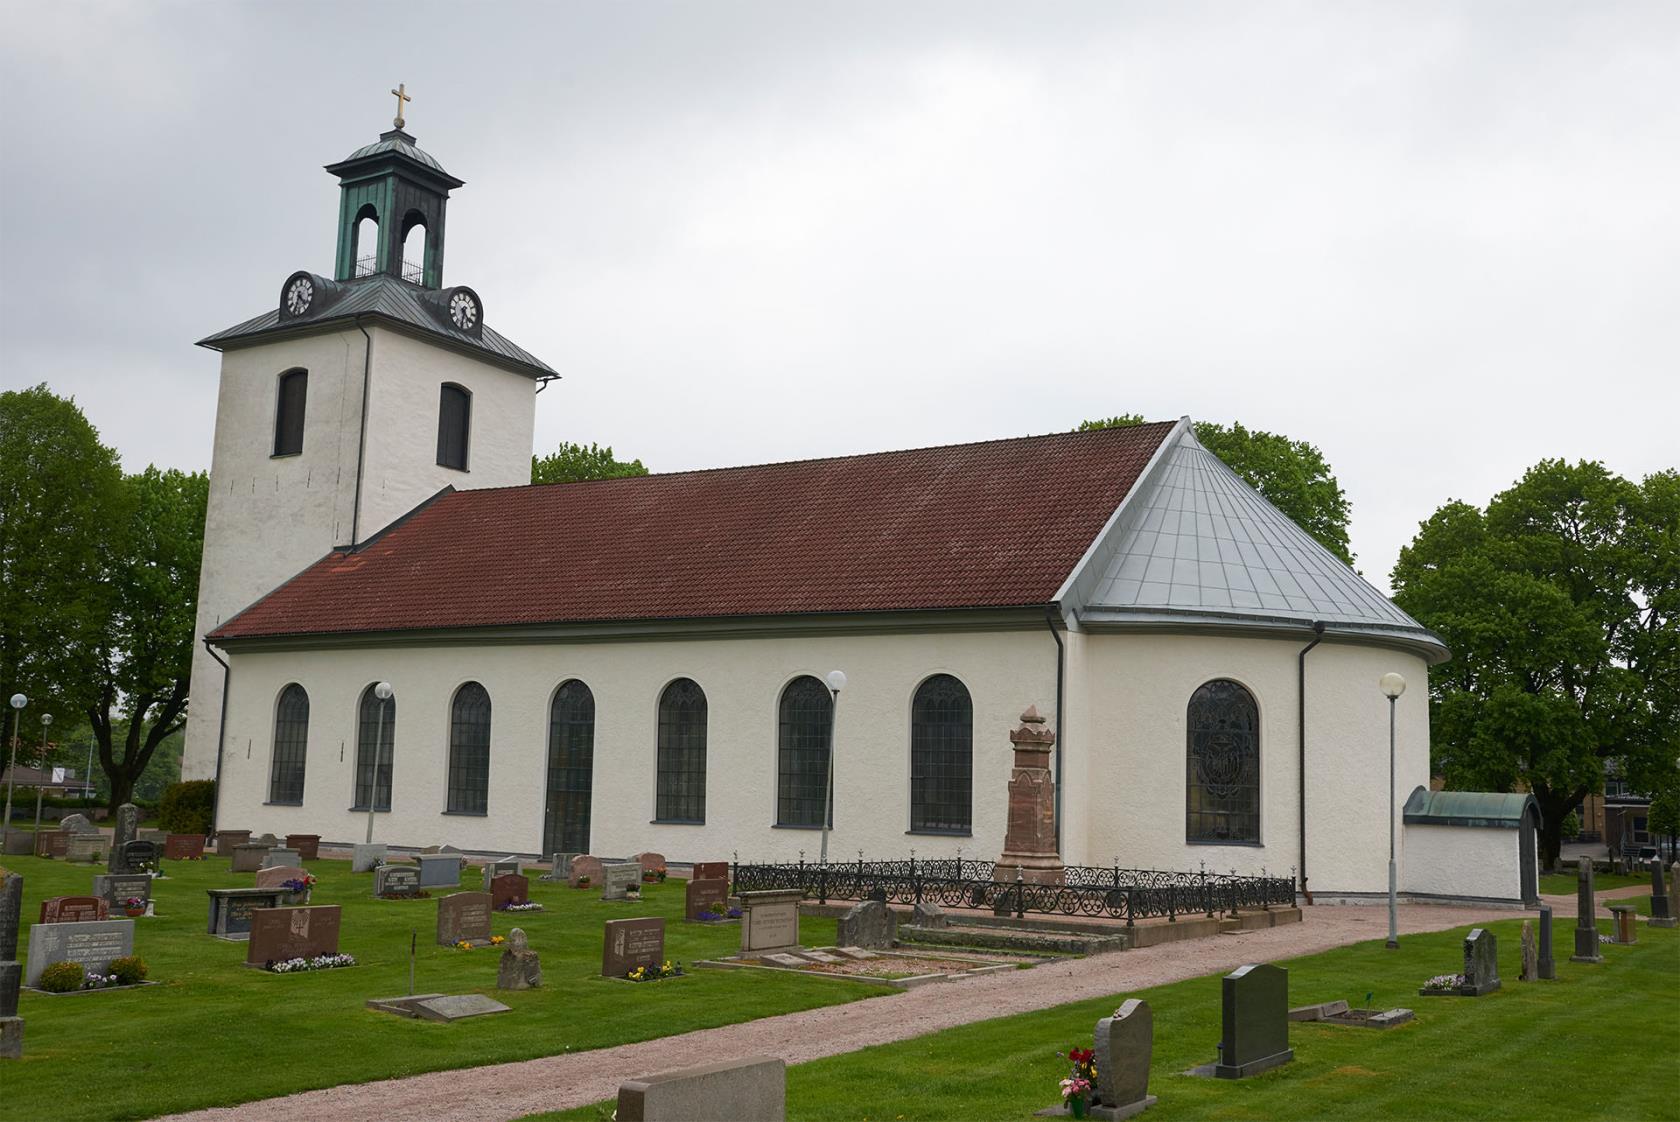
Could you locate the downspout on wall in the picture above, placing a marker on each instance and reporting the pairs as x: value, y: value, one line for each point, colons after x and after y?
x: 1061, y: 725
x: 1301, y: 681
x: 221, y: 736
x: 361, y: 441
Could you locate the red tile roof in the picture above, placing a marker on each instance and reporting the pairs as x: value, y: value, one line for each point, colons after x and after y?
x: 987, y: 525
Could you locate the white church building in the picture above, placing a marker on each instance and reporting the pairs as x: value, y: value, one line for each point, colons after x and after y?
x: 638, y: 664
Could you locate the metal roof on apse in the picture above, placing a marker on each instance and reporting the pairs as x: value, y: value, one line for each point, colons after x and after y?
x: 1468, y: 808
x: 1195, y: 540
x: 382, y: 295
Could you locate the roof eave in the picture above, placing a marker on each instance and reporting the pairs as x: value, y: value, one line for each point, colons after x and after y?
x: 1201, y: 620
x: 222, y: 343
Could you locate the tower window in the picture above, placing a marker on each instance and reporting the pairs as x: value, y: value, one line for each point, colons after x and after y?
x: 288, y: 413
x: 414, y: 248
x: 454, y: 425
x: 364, y: 246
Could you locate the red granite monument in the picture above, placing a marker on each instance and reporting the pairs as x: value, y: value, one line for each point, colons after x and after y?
x: 1030, y: 842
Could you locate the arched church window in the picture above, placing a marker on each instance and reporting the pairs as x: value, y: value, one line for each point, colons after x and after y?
x: 1223, y: 804
x: 364, y: 248
x: 414, y: 248
x: 454, y: 425
x: 376, y: 745
x: 941, y: 757
x: 571, y: 763
x: 288, y: 412
x: 291, y: 741
x: 680, y: 787
x: 469, y: 751
x: 802, y: 753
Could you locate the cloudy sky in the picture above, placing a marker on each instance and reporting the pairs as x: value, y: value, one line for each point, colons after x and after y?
x: 1439, y: 241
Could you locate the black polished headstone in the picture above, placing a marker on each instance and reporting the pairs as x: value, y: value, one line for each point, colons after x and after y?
x: 1548, y: 968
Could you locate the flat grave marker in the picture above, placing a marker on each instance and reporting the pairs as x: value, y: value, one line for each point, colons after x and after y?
x: 753, y: 1088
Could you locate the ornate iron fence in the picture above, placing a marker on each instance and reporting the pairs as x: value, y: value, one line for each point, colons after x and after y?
x: 1114, y: 893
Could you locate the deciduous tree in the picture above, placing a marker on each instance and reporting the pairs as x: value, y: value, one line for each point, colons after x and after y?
x: 576, y: 463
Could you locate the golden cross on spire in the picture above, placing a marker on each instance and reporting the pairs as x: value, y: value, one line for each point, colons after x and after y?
x: 401, y: 95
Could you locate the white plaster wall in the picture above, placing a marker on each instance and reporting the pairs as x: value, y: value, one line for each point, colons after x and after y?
x: 1132, y: 758
x: 269, y: 518
x: 743, y: 679
x: 1481, y: 862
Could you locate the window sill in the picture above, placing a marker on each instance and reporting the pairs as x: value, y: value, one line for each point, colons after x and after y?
x: 283, y: 802
x: 364, y: 810
x: 1227, y: 844
x: 790, y: 826
x: 467, y: 813
x: 451, y: 467
x: 940, y: 833
x: 676, y: 821
x: 285, y: 455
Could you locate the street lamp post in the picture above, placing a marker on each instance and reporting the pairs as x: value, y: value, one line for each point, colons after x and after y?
x: 46, y: 723
x: 383, y: 692
x: 1392, y: 685
x: 836, y: 681
x: 18, y: 702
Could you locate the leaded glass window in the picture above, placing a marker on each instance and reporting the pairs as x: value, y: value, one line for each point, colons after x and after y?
x: 802, y: 751
x: 291, y: 742
x: 680, y: 788
x: 469, y: 751
x: 941, y: 757
x: 571, y: 760
x: 375, y: 741
x: 1224, y: 764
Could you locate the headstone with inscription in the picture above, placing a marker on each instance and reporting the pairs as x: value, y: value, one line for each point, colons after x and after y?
x: 709, y: 896
x: 248, y: 858
x: 279, y: 934
x: 498, y: 868
x: 51, y: 843
x: 308, y: 846
x: 1530, y: 971
x: 463, y: 917
x: 84, y: 849
x: 770, y: 921
x: 650, y: 861
x: 282, y: 855
x: 560, y: 867
x: 73, y: 909
x: 396, y: 880
x: 629, y: 943
x: 1622, y: 929
x: 116, y: 889
x: 140, y: 855
x: 710, y: 870
x: 183, y: 847
x: 93, y: 944
x: 1586, y: 911
x: 366, y: 856
x: 127, y: 830
x: 618, y: 881
x: 231, y: 909
x: 18, y: 843
x: 585, y: 872
x: 509, y: 888
x: 1481, y: 963
x: 228, y: 840
x: 519, y: 969
x: 438, y: 870
x: 869, y: 924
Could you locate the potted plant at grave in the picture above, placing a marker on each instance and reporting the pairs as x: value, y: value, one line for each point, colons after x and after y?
x: 1081, y: 1078
x: 133, y: 907
x: 61, y: 977
x: 298, y: 887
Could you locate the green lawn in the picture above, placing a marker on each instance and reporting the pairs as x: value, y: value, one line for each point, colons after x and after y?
x: 1564, y: 884
x: 1586, y: 1046
x: 217, y: 1033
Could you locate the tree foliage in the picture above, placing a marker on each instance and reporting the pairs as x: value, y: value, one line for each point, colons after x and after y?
x: 577, y: 463
x: 1292, y: 475
x: 1561, y: 603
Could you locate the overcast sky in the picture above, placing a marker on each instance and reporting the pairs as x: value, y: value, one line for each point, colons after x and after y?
x: 1440, y: 242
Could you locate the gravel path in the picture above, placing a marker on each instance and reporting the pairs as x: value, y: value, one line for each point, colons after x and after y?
x: 498, y: 1092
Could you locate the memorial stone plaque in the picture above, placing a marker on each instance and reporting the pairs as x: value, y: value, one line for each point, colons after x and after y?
x: 629, y: 943
x: 11, y: 912
x: 619, y: 880
x: 278, y: 934
x: 439, y: 870
x: 1548, y: 968
x: 73, y: 909
x: 117, y: 888
x: 509, y: 888
x: 705, y: 896
x: 275, y: 876
x: 770, y: 920
x: 650, y: 861
x: 396, y: 880
x: 93, y: 944
x: 51, y: 843
x: 183, y: 847
x: 139, y: 856
x: 463, y: 917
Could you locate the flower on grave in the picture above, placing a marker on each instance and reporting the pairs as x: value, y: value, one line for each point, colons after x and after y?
x: 527, y: 906
x: 637, y: 974
x: 134, y: 902
x: 1444, y: 982
x: 1075, y: 1085
x: 734, y: 913
x: 463, y: 945
x: 497, y: 940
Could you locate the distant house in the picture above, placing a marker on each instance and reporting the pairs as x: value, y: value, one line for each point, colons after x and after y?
x: 56, y: 782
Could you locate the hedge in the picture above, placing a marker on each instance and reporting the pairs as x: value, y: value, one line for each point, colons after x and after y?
x: 186, y: 808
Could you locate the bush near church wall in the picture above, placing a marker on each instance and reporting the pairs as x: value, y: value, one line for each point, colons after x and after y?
x: 186, y: 807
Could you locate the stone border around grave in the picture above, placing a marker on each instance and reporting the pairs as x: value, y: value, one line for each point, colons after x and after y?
x: 982, y: 967
x: 98, y: 989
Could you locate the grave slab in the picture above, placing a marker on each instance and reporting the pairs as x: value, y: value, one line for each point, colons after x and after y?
x: 753, y: 1089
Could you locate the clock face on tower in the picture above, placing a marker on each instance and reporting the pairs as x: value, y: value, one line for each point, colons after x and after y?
x: 463, y: 311
x: 300, y: 293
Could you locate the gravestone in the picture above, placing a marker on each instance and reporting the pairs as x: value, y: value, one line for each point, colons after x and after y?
x: 1586, y: 909
x: 1530, y: 955
x: 710, y: 870
x: 51, y: 843
x: 629, y: 943
x: 650, y: 862
x: 183, y: 847
x: 560, y: 867
x: 1123, y: 1044
x: 439, y: 870
x: 84, y: 849
x: 1662, y: 908
x: 1481, y: 963
x: 93, y: 944
x: 11, y: 971
x: 276, y: 876
x: 231, y: 909
x: 618, y: 881
x: 509, y: 888
x: 228, y: 840
x: 308, y: 846
x: 929, y: 914
x: 266, y: 839
x: 140, y: 856
x: 1547, y: 968
x: 1255, y: 1022
x: 1622, y: 929
x: 77, y: 824
x: 248, y: 858
x: 455, y: 1007
x: 278, y: 934
x: 365, y: 856
x: 752, y: 1089
x: 464, y: 917
x: 396, y: 880
x: 770, y: 921
x: 127, y: 830
x: 519, y: 968
x: 18, y: 843
x: 116, y: 889
x: 705, y: 896
x: 156, y: 837
x: 869, y: 924
x: 584, y: 868
x: 282, y: 855
x: 73, y: 909
x: 1674, y: 885
x: 498, y: 868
